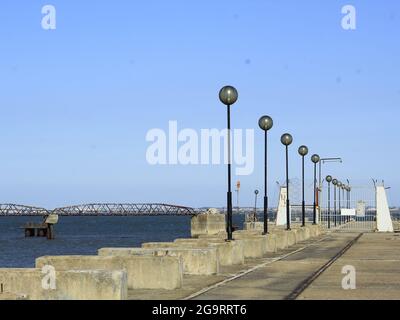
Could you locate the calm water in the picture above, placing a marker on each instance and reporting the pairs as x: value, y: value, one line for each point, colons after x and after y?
x: 85, y: 235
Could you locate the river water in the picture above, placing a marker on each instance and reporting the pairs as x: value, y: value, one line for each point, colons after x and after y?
x: 85, y: 235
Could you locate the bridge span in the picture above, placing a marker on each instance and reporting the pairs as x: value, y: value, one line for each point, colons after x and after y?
x: 21, y: 210
x: 101, y: 209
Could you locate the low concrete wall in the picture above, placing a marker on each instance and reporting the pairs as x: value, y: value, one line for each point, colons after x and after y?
x: 143, y: 272
x: 196, y: 261
x: 229, y: 252
x: 270, y: 243
x: 300, y: 235
x: 69, y: 285
x: 253, y: 245
x: 291, y: 236
x: 207, y: 224
x: 281, y: 240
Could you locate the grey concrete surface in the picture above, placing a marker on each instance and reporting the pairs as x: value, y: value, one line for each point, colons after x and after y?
x: 376, y: 259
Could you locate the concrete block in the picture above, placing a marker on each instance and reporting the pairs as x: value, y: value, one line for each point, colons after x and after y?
x: 315, y: 230
x: 270, y: 243
x: 207, y: 224
x: 281, y: 240
x: 69, y: 285
x: 229, y: 252
x: 196, y: 261
x: 143, y: 272
x: 300, y: 234
x: 291, y: 237
x: 253, y: 245
x: 307, y: 233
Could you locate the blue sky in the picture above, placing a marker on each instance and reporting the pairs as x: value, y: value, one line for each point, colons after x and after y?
x: 76, y: 102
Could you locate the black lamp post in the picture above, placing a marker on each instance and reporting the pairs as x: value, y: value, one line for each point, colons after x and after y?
x: 228, y: 95
x: 315, y: 159
x: 287, y: 140
x: 329, y: 180
x: 255, y: 205
x: 339, y: 185
x: 335, y: 182
x: 349, y: 195
x: 344, y: 189
x: 265, y: 123
x: 344, y: 201
x: 303, y: 151
x: 347, y: 200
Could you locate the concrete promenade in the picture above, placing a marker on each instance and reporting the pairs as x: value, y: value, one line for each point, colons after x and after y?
x: 303, y: 263
x: 275, y: 276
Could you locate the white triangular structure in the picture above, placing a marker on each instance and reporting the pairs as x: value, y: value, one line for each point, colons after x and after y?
x: 281, y: 212
x: 383, y: 219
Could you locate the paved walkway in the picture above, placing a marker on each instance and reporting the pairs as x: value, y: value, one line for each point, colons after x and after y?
x: 376, y: 259
x: 277, y: 280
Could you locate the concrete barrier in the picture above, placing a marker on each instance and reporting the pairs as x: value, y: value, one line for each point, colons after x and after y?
x: 300, y: 234
x: 291, y: 236
x: 69, y: 285
x: 270, y: 243
x: 307, y: 233
x: 207, y: 224
x: 229, y: 252
x: 143, y: 272
x: 281, y: 240
x: 253, y: 245
x: 196, y: 261
x: 315, y: 230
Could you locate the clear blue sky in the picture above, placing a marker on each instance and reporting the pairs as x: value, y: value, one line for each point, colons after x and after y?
x: 76, y: 102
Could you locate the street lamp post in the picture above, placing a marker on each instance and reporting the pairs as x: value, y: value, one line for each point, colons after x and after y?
x: 265, y: 123
x: 303, y: 151
x: 344, y: 202
x: 349, y: 190
x: 228, y: 95
x: 255, y: 205
x: 286, y: 140
x: 347, y: 199
x: 335, y: 182
x: 329, y: 180
x: 315, y: 159
x: 339, y: 185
